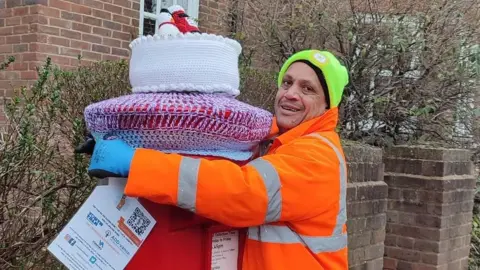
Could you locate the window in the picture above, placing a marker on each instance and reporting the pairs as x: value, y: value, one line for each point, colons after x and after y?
x: 380, y: 35
x: 149, y: 9
x: 466, y: 111
x: 386, y: 73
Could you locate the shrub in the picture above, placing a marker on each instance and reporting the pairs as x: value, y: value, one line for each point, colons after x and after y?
x: 258, y: 87
x: 42, y: 183
x: 413, y: 66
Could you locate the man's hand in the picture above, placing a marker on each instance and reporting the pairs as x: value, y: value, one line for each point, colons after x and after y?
x: 111, y: 158
x: 87, y: 146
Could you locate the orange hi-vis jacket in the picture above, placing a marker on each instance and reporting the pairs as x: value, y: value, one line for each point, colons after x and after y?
x: 292, y: 199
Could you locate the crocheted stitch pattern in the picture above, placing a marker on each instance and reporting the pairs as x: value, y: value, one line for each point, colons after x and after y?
x: 203, y: 63
x: 188, y: 87
x: 188, y: 37
x: 191, y: 123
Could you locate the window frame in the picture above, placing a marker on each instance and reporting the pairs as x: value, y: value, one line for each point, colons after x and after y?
x: 192, y: 10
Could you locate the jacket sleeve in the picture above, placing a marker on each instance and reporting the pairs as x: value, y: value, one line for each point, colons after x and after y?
x: 300, y: 180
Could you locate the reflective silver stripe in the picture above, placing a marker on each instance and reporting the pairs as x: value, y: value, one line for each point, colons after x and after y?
x: 284, y: 235
x: 273, y: 234
x: 187, y: 183
x: 272, y: 184
x: 342, y: 213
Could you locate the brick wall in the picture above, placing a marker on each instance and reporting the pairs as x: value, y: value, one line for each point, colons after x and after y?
x: 31, y: 30
x: 430, y: 208
x: 213, y: 16
x: 366, y: 207
x: 15, y: 36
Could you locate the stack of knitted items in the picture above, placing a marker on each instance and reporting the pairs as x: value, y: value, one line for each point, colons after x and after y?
x: 184, y: 86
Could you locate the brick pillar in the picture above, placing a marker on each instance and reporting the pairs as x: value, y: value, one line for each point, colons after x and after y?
x: 430, y: 208
x: 366, y: 207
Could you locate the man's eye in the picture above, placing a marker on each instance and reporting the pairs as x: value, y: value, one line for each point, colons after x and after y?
x: 307, y: 89
x: 287, y: 83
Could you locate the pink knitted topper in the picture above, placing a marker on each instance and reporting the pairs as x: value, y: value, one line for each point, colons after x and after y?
x: 190, y: 123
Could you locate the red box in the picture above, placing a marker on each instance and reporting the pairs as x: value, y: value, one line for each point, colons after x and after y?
x: 180, y: 240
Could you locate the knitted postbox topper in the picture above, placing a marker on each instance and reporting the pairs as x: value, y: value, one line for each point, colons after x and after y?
x: 186, y: 123
x: 183, y: 100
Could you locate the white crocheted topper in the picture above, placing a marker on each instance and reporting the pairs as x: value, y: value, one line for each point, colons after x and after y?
x: 191, y: 62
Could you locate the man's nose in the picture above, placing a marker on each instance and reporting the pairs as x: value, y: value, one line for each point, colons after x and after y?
x: 292, y: 92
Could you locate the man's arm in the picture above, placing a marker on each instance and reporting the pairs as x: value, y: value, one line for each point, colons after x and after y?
x: 299, y: 181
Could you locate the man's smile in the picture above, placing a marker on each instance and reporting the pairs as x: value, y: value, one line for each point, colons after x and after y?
x: 289, y: 108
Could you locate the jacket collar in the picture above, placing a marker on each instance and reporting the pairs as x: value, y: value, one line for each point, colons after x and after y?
x: 325, y: 122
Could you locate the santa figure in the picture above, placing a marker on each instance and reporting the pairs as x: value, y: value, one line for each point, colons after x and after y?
x: 166, y: 24
x: 184, y: 23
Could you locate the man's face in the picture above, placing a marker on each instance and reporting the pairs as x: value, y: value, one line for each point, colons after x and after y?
x: 299, y: 98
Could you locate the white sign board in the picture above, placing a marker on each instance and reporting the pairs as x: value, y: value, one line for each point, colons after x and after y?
x: 105, y: 233
x: 225, y: 250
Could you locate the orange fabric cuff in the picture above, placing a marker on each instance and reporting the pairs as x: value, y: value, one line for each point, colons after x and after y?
x: 154, y: 176
x: 274, y: 130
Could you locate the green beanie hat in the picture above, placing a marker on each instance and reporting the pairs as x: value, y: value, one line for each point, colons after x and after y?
x: 336, y: 75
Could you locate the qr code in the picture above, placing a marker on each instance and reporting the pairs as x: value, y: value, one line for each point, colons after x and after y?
x: 138, y: 221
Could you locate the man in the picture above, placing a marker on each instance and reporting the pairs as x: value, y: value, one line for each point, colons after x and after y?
x: 292, y: 199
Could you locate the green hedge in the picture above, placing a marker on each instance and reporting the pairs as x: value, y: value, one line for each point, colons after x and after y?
x: 42, y: 183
